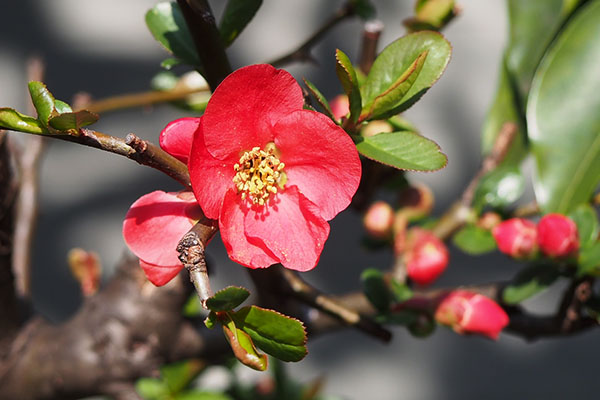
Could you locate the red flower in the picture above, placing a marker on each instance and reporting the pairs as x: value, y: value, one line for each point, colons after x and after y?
x: 468, y: 312
x: 425, y: 256
x: 557, y: 235
x: 516, y: 237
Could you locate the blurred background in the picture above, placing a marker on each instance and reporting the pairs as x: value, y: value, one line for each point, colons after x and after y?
x: 104, y: 49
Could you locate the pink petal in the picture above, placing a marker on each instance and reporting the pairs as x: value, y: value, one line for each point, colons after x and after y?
x: 176, y: 138
x: 245, y: 106
x: 211, y: 178
x: 291, y: 227
x: 241, y: 249
x: 153, y: 227
x: 320, y: 159
x: 159, y: 275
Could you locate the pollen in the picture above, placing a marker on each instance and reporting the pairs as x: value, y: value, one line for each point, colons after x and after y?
x: 259, y: 174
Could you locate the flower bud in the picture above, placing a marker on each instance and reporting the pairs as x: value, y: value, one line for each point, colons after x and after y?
x: 416, y: 202
x: 516, y: 237
x: 489, y: 220
x: 340, y: 106
x: 85, y: 267
x: 425, y: 257
x: 557, y: 235
x: 379, y: 219
x: 468, y: 312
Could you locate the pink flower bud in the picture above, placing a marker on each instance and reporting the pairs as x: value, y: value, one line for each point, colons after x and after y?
x: 85, y: 267
x: 340, y: 106
x: 425, y: 257
x: 379, y: 220
x: 489, y: 220
x: 557, y: 235
x: 516, y: 237
x: 468, y: 312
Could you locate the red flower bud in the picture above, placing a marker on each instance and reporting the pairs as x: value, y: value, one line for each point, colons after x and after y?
x: 468, y: 312
x: 516, y: 237
x: 425, y: 257
x: 340, y: 106
x: 557, y: 235
x: 379, y: 219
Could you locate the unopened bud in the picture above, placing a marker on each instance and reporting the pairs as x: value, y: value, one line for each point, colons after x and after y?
x: 379, y: 220
x: 376, y: 127
x: 416, y: 202
x: 425, y: 257
x: 340, y: 106
x: 557, y: 235
x: 85, y: 267
x: 489, y: 220
x: 516, y: 237
x: 469, y: 312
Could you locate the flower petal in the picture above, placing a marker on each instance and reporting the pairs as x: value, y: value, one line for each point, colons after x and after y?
x: 320, y: 159
x: 176, y: 138
x: 211, y: 178
x: 160, y: 275
x: 241, y: 249
x: 291, y: 227
x: 245, y: 106
x: 153, y: 227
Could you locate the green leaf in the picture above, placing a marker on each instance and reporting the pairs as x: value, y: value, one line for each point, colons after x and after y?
x: 529, y: 281
x: 402, y: 124
x: 589, y: 260
x: 42, y: 100
x: 385, y: 104
x: 152, y: 389
x: 73, y: 121
x: 400, y: 291
x: 474, y: 240
x: 363, y: 8
x: 237, y: 14
x: 15, y: 121
x: 179, y: 375
x: 202, y: 395
x: 227, y: 299
x: 169, y: 63
x: 61, y: 107
x: 320, y: 99
x: 243, y: 347
x: 397, y: 58
x: 211, y: 320
x: 499, y: 188
x: 403, y: 150
x: 347, y: 76
x: 167, y: 25
x: 562, y: 116
x: 281, y: 336
x: 375, y: 289
x: 586, y: 219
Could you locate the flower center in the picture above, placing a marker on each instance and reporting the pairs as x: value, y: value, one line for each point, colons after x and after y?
x: 259, y: 173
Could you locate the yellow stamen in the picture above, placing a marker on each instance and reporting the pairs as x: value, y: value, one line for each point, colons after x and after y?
x: 259, y: 173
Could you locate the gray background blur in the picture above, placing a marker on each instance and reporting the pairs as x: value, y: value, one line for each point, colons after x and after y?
x: 104, y: 48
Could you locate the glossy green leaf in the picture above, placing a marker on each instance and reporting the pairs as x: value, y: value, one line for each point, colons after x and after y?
x: 347, y: 76
x: 397, y: 58
x: 201, y: 395
x: 589, y: 260
x: 243, y: 347
x: 474, y: 240
x: 385, y: 103
x: 152, y: 389
x: 179, y: 375
x: 62, y: 107
x: 72, y: 121
x: 363, y: 8
x: 375, y: 289
x: 211, y: 320
x: 281, y: 336
x: 562, y: 116
x: 400, y: 291
x: 402, y: 124
x: 499, y: 188
x: 42, y: 100
x: 431, y: 15
x: 403, y: 150
x: 586, y: 219
x: 227, y: 299
x: 15, y: 121
x: 237, y: 14
x: 167, y: 24
x: 529, y: 281
x: 320, y: 99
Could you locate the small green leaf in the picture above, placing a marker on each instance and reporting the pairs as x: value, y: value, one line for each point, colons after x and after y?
x: 243, y: 347
x: 375, y: 289
x: 385, y: 104
x: 15, y: 121
x: 167, y: 25
x: 363, y: 8
x: 320, y: 99
x: 402, y: 124
x: 281, y: 336
x: 586, y: 219
x: 42, y: 100
x: 179, y: 375
x: 529, y: 281
x: 61, y: 107
x: 201, y: 395
x: 169, y: 63
x: 403, y: 150
x: 237, y: 14
x: 499, y: 188
x: 152, y: 389
x: 227, y: 299
x: 211, y: 320
x: 73, y: 121
x: 400, y: 291
x: 474, y: 240
x: 347, y: 76
x: 397, y: 58
x: 589, y: 260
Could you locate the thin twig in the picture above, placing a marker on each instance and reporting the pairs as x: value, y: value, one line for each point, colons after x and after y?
x: 370, y: 37
x: 302, y: 53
